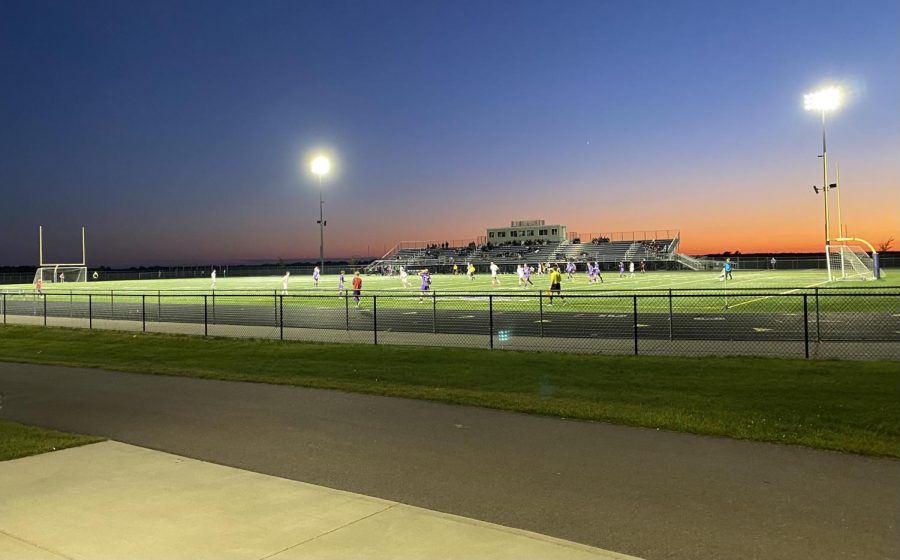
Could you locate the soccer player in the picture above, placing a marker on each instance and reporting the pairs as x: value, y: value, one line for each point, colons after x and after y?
x: 212, y: 278
x: 526, y: 271
x: 39, y: 286
x: 357, y: 287
x: 643, y: 266
x: 597, y: 275
x: 621, y: 269
x: 495, y: 281
x: 62, y: 276
x: 455, y: 269
x: 284, y: 283
x: 570, y: 270
x: 426, y: 283
x: 520, y: 272
x: 470, y: 271
x: 404, y: 277
x: 631, y: 269
x: 341, y: 283
x: 316, y: 277
x: 555, y: 281
x: 727, y: 269
x: 773, y: 263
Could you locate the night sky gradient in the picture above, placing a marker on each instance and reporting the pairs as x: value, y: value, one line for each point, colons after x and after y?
x: 178, y: 132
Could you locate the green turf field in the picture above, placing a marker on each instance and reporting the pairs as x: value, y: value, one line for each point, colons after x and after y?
x: 758, y: 291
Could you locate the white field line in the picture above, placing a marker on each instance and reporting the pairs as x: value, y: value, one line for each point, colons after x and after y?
x: 781, y: 294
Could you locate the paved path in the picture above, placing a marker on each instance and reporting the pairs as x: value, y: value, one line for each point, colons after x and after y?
x: 113, y: 500
x: 653, y: 494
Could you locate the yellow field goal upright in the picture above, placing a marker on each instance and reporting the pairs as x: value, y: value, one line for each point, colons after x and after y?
x: 60, y: 272
x: 850, y: 261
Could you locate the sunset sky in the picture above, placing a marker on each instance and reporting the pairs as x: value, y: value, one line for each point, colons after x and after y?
x: 179, y: 132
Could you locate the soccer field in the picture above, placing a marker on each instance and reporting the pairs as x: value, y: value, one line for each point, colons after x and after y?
x: 658, y: 281
x: 749, y: 291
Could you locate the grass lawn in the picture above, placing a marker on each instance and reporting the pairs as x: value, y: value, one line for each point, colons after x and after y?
x: 17, y: 440
x: 852, y: 407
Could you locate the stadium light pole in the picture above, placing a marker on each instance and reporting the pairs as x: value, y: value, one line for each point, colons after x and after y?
x: 321, y: 166
x: 824, y: 100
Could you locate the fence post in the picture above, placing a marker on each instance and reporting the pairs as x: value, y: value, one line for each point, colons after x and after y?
x: 275, y: 307
x: 4, y: 308
x: 634, y: 300
x: 143, y: 313
x: 347, y: 309
x: 281, y: 318
x: 112, y: 309
x: 375, y: 317
x: 818, y: 332
x: 541, y: 312
x: 671, y: 334
x: 805, y: 327
x: 205, y: 317
x: 159, y: 305
x: 491, y: 321
x: 90, y: 311
x: 434, y: 312
x: 45, y: 310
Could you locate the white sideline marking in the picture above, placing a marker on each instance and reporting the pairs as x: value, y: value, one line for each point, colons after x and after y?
x: 466, y: 317
x: 709, y: 318
x: 641, y: 325
x: 781, y: 294
x: 410, y: 312
x: 761, y: 329
x: 543, y: 321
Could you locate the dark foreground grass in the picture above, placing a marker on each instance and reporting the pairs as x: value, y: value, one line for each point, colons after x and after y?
x: 18, y: 441
x: 846, y: 406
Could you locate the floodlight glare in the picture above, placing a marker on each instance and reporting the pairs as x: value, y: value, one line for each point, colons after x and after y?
x: 321, y: 166
x: 827, y: 99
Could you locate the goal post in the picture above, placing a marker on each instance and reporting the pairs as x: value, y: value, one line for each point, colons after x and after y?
x: 850, y: 261
x: 49, y: 273
x: 59, y: 273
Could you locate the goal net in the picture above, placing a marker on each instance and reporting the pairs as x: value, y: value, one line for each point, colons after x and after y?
x: 851, y: 262
x: 57, y: 273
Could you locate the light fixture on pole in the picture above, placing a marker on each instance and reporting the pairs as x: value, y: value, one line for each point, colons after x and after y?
x: 824, y: 100
x: 321, y: 166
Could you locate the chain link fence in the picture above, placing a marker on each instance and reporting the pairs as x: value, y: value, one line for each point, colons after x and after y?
x: 845, y: 323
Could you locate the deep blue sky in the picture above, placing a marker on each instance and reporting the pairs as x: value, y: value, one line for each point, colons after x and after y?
x: 177, y: 131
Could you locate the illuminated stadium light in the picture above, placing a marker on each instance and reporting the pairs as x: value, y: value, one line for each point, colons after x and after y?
x: 827, y: 99
x: 321, y: 165
x: 824, y: 100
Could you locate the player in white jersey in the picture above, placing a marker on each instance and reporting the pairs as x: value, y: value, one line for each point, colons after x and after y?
x: 404, y: 277
x: 494, y: 270
x: 316, y: 277
x: 284, y: 283
x: 520, y: 272
x: 212, y: 278
x: 631, y: 269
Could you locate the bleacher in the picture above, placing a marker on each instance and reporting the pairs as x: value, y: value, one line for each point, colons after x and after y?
x: 636, y: 246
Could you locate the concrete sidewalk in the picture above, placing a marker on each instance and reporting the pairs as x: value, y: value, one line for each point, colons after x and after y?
x: 117, y: 501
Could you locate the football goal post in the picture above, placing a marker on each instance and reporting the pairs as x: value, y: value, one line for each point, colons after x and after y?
x: 49, y: 273
x: 850, y: 261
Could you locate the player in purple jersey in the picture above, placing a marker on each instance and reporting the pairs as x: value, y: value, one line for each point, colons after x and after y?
x: 426, y: 283
x: 570, y: 270
x: 597, y: 275
x: 341, y: 284
x: 526, y: 275
x: 621, y: 269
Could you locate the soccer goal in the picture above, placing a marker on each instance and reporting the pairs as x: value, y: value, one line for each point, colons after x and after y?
x: 48, y: 273
x: 851, y: 262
